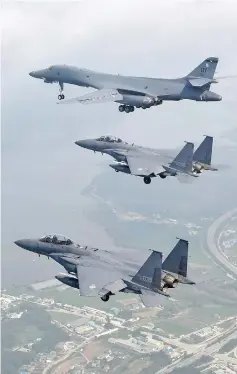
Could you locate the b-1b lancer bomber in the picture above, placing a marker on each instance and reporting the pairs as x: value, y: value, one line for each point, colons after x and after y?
x: 97, y: 272
x: 149, y: 163
x: 130, y: 91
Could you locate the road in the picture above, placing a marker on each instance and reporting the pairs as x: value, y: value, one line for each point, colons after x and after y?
x: 204, y: 349
x: 211, y: 242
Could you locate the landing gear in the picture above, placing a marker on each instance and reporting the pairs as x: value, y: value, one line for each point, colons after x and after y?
x: 61, y: 95
x: 105, y: 297
x: 162, y: 176
x: 121, y: 108
x: 126, y: 108
x: 147, y: 180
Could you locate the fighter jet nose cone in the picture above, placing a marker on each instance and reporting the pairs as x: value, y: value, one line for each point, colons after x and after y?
x: 25, y: 244
x: 20, y: 243
x: 31, y: 73
x: 219, y: 97
x: 81, y: 143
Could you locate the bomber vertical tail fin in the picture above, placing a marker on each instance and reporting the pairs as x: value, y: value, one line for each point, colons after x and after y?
x: 206, y: 69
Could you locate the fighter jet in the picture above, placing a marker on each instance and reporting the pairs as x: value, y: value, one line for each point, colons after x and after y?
x: 131, y: 92
x: 149, y: 163
x: 97, y: 272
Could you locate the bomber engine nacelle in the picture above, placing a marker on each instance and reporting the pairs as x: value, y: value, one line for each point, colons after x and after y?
x: 139, y: 101
x: 170, y: 281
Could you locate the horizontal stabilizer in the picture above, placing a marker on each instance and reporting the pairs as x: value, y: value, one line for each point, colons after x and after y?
x: 186, y: 178
x: 200, y: 82
x: 95, y: 97
x: 151, y: 299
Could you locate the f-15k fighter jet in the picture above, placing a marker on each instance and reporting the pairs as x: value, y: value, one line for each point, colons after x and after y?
x: 98, y: 272
x: 134, y: 92
x: 149, y: 163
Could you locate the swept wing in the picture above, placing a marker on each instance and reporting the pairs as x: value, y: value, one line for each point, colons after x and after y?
x: 98, y: 280
x: 200, y: 82
x: 144, y: 165
x: 95, y: 97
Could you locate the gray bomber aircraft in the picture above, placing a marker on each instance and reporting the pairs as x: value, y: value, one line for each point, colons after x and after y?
x: 149, y: 163
x: 100, y: 272
x: 131, y: 92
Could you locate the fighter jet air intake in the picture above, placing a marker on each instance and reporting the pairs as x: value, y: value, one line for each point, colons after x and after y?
x: 133, y: 92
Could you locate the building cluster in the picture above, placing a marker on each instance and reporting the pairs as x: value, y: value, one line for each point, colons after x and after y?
x: 135, y: 334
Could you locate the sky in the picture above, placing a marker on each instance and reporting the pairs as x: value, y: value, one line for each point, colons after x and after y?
x: 43, y: 171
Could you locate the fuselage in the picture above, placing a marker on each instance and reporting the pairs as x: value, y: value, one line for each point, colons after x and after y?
x: 118, y: 149
x: 61, y: 254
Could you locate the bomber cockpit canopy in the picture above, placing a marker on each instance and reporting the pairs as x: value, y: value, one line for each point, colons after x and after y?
x: 110, y: 139
x: 56, y: 239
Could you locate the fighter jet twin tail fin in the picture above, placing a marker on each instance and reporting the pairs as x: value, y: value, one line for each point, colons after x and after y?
x: 189, y: 163
x: 182, y: 163
x: 152, y: 275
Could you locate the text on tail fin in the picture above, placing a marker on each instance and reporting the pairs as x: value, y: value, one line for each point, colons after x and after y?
x: 206, y: 69
x: 149, y: 271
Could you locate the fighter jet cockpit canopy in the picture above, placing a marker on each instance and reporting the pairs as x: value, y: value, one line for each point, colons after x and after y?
x: 56, y: 239
x: 110, y: 139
